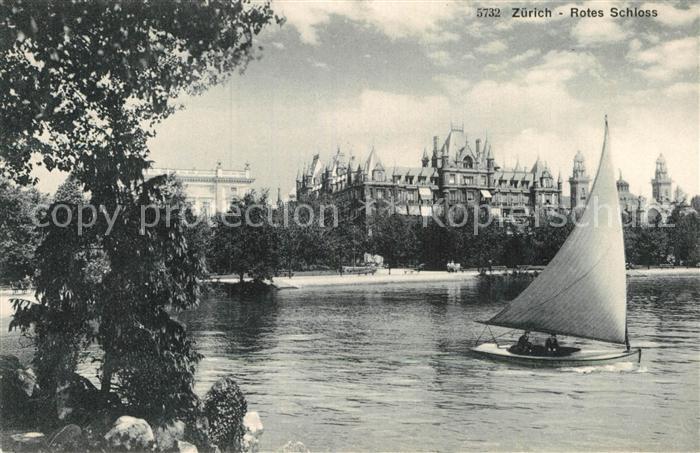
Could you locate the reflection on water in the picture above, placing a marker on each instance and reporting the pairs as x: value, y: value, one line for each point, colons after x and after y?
x: 388, y: 368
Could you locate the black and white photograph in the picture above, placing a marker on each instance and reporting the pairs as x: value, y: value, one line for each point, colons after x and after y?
x: 303, y: 226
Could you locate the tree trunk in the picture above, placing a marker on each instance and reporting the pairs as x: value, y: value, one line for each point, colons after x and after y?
x: 107, y: 371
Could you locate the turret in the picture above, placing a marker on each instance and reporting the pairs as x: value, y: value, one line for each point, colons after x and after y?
x: 579, y: 182
x: 425, y: 160
x: 435, y: 163
x: 661, y: 184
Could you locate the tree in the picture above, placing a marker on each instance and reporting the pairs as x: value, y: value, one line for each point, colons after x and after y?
x: 245, y: 241
x: 393, y: 238
x: 684, y: 236
x: 652, y: 245
x: 19, y: 236
x: 85, y: 82
x: 84, y: 85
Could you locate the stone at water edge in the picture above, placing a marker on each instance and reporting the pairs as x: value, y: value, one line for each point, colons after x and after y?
x: 67, y: 438
x: 185, y: 447
x: 27, y: 381
x: 130, y: 433
x: 167, y: 435
x: 295, y: 447
x: 252, y: 423
x: 253, y: 431
x: 31, y: 440
x: 76, y: 397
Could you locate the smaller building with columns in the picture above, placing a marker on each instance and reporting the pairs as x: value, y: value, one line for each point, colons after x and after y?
x: 210, y: 191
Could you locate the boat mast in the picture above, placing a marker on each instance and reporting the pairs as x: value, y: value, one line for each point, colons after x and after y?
x: 627, y: 338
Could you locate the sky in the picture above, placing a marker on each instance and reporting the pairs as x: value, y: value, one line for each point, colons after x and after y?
x: 392, y: 74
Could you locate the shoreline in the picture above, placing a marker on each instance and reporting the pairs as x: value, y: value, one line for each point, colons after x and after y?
x: 399, y: 275
x: 381, y: 277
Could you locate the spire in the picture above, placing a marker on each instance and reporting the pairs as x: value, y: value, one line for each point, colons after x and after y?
x: 559, y: 180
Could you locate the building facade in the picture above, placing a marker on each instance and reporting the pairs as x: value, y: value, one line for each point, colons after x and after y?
x: 454, y: 172
x: 210, y: 191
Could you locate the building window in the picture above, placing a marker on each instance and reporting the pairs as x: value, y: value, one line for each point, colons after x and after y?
x: 468, y: 180
x: 397, y: 178
x: 206, y: 208
x: 380, y: 194
x: 452, y: 179
x: 468, y: 162
x: 470, y: 196
x: 483, y: 180
x: 514, y: 183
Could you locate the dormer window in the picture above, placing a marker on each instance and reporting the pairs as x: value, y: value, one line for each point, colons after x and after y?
x: 378, y: 175
x: 468, y: 162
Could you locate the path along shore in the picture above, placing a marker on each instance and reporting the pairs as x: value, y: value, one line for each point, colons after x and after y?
x: 381, y: 277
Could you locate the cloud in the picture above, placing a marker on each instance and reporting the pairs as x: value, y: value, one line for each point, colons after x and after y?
x: 598, y: 31
x: 517, y: 59
x: 671, y: 16
x: 667, y: 60
x: 683, y: 90
x: 395, y: 18
x: 397, y: 124
x: 492, y: 47
x: 440, y: 57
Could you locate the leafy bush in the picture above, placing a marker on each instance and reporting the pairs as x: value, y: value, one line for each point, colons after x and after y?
x: 225, y: 406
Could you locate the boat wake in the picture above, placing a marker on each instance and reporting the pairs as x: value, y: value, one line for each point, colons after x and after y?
x: 621, y: 367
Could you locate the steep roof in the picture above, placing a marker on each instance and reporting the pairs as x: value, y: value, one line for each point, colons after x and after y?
x: 373, y: 162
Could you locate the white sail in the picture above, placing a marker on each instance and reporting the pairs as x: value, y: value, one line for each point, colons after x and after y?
x: 582, y: 292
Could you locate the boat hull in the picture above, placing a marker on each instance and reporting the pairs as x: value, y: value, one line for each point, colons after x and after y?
x: 579, y: 358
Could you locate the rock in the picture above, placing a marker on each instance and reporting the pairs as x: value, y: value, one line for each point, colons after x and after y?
x: 295, y: 447
x: 252, y: 423
x: 167, y: 435
x: 9, y: 363
x: 130, y: 433
x: 185, y: 447
x: 17, y: 386
x: 68, y: 438
x: 76, y: 398
x: 27, y: 441
x: 27, y: 381
x: 253, y: 431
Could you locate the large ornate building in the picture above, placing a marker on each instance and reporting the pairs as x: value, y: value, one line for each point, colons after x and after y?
x: 210, y: 191
x: 454, y: 172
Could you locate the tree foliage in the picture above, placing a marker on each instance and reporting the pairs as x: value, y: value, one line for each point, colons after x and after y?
x: 83, y: 85
x: 19, y: 236
x: 84, y: 82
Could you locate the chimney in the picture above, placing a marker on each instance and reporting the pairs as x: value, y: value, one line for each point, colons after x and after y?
x: 478, y: 146
x: 435, y: 143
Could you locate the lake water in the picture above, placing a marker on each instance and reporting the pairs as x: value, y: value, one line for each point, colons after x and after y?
x: 387, y: 367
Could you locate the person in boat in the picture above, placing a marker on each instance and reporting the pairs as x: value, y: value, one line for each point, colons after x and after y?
x: 551, y: 345
x: 524, y: 344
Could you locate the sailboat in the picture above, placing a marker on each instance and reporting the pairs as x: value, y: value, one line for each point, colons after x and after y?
x: 581, y: 292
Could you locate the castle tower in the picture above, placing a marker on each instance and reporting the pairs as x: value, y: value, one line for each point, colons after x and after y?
x: 579, y: 182
x: 425, y: 160
x: 622, y: 185
x: 661, y: 184
x: 435, y: 162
